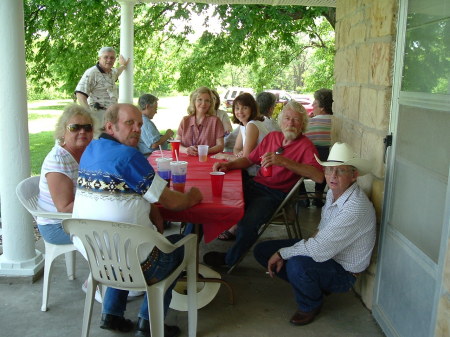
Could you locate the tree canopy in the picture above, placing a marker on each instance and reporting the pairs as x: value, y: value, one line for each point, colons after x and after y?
x: 257, y: 45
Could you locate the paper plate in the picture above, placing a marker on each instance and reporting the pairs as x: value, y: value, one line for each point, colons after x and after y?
x: 206, y: 291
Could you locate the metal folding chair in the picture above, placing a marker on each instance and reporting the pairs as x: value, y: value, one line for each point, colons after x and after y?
x: 284, y: 215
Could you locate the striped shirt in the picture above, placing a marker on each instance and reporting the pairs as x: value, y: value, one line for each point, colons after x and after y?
x: 319, y: 130
x: 346, y: 232
x: 58, y: 160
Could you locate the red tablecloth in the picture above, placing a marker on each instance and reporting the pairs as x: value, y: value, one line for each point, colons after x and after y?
x: 215, y: 213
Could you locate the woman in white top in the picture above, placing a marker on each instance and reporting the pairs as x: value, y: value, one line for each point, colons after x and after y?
x: 59, y: 173
x: 252, y: 132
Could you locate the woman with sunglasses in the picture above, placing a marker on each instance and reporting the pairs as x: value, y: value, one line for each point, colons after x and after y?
x: 59, y: 172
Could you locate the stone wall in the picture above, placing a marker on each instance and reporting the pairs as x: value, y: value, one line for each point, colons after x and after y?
x: 365, y: 41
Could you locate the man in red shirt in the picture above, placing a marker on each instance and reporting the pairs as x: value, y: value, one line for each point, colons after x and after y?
x: 291, y: 156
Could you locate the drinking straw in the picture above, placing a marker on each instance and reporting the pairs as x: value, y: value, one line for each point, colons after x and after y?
x: 160, y: 150
x: 176, y: 155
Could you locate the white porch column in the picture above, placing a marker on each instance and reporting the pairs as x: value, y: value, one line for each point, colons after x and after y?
x: 20, y: 258
x: 126, y: 49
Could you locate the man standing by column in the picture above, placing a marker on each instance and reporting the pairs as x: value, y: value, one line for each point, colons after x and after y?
x: 97, y: 87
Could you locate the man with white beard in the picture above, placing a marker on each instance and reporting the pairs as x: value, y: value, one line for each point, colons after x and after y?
x: 290, y: 155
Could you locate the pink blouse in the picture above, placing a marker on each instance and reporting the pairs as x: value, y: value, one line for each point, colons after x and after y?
x: 203, y: 134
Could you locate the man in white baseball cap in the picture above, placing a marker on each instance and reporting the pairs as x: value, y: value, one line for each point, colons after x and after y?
x: 330, y: 260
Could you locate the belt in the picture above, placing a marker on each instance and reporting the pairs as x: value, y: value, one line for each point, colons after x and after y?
x: 151, y: 258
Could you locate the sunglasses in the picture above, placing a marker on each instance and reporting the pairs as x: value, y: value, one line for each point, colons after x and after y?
x: 78, y: 127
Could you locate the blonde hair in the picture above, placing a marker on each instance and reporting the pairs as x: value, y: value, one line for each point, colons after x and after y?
x: 70, y: 111
x: 202, y: 90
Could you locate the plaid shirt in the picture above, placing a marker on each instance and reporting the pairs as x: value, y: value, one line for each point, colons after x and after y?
x: 346, y: 232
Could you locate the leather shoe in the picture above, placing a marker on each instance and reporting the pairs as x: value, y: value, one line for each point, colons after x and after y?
x: 303, y: 318
x: 143, y: 329
x: 112, y: 322
x: 214, y: 259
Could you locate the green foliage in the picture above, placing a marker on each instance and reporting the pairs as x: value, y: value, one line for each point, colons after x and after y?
x: 427, y: 56
x: 256, y: 47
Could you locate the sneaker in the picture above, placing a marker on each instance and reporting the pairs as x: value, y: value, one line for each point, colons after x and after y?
x: 98, y: 294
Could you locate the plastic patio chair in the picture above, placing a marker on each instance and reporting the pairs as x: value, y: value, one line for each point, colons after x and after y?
x: 27, y: 192
x: 112, y: 250
x: 285, y: 215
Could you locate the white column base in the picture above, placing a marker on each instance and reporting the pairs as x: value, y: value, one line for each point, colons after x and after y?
x: 22, y: 268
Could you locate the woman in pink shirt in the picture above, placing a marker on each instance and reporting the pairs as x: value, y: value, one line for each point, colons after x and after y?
x: 201, y: 126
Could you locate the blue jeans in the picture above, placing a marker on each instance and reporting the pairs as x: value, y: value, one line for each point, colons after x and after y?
x: 115, y: 301
x: 260, y: 204
x: 309, y: 279
x: 54, y: 233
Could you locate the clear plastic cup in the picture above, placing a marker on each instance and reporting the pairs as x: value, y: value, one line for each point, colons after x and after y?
x: 202, y: 152
x: 178, y: 170
x: 163, y: 168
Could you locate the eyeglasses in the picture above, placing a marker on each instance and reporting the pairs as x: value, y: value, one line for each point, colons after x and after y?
x: 78, y: 127
x: 280, y: 150
x: 339, y: 171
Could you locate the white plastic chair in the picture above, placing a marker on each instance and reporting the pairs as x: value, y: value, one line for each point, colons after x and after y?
x: 112, y: 251
x: 285, y: 215
x: 27, y: 192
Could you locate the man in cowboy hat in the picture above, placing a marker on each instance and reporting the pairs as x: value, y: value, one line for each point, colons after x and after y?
x: 330, y: 260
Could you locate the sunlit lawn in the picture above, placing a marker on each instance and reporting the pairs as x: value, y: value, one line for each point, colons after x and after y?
x: 40, y: 144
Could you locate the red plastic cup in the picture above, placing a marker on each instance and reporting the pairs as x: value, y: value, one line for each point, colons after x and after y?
x: 217, y: 183
x: 175, y: 145
x: 266, y: 171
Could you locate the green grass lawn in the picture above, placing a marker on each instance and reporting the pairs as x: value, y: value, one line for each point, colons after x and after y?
x: 40, y: 144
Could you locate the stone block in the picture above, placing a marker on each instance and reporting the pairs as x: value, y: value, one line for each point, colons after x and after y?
x: 358, y: 33
x: 368, y: 106
x: 383, y: 18
x: 372, y: 148
x: 344, y: 65
x: 362, y: 63
x: 377, y: 196
x: 381, y: 60
x: 351, y: 102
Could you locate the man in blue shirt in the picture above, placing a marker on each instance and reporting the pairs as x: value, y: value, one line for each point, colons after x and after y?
x: 151, y: 139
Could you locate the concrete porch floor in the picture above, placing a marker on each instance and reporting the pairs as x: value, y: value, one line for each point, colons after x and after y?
x: 263, y: 305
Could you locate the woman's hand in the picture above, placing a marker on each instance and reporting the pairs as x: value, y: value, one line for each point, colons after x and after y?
x: 192, y: 150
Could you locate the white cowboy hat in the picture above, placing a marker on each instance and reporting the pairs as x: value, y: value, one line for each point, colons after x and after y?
x: 342, y: 154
